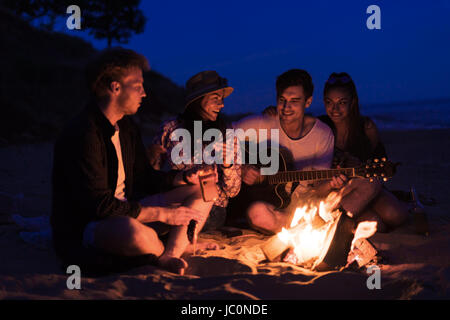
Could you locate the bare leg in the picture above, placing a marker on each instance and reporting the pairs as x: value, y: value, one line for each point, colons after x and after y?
x: 371, y: 215
x: 127, y: 237
x: 178, y: 241
x: 357, y: 195
x: 264, y: 218
x: 391, y: 211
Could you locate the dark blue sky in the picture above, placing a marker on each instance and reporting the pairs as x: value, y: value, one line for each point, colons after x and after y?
x: 251, y: 42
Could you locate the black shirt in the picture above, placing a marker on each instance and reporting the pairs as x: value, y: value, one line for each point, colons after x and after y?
x: 362, y: 151
x: 84, y: 178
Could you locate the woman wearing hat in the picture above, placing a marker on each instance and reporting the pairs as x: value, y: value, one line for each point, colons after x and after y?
x: 205, y: 94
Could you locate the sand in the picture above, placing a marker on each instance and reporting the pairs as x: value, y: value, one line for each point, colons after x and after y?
x: 412, y: 266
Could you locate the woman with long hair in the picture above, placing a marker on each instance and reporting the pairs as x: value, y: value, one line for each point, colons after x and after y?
x: 205, y: 94
x: 356, y: 141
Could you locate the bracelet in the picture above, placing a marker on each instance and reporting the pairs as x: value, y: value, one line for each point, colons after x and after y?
x: 185, y: 178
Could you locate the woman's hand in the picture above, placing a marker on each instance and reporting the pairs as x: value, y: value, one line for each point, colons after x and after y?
x: 193, y: 173
x: 250, y: 175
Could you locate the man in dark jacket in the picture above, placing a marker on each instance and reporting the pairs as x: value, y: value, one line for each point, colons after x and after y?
x: 107, y: 199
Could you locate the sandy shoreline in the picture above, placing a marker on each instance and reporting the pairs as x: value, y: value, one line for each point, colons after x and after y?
x: 414, y: 266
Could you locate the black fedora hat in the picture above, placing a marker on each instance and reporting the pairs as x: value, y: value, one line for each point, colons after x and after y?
x: 206, y: 82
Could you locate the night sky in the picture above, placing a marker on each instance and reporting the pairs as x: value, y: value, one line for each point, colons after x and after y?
x: 252, y: 42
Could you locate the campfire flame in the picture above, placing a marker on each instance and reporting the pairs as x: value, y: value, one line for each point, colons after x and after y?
x: 309, y: 227
x: 365, y: 230
x: 306, y: 240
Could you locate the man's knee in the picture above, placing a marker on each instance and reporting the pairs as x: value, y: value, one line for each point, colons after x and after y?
x: 127, y: 233
x: 257, y: 214
x: 138, y: 235
x: 262, y: 217
x: 113, y: 228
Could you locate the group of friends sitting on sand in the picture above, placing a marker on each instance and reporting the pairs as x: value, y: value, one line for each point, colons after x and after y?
x: 115, y: 197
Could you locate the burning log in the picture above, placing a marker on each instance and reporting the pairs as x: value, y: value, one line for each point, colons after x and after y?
x: 321, y: 239
x: 362, y: 253
x: 274, y: 248
x: 337, y: 246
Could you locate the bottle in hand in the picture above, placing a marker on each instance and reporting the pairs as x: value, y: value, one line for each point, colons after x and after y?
x: 192, y: 233
x: 419, y: 215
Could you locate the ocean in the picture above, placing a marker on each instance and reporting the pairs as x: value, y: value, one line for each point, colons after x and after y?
x: 428, y: 115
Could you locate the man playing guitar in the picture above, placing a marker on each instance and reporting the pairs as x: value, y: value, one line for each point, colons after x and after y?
x: 310, y: 143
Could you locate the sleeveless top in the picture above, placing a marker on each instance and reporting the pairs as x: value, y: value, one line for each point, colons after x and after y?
x: 356, y: 153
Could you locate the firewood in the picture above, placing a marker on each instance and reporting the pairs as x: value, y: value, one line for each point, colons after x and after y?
x: 362, y: 253
x: 273, y: 248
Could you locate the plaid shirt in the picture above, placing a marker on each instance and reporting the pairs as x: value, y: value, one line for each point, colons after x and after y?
x: 229, y: 178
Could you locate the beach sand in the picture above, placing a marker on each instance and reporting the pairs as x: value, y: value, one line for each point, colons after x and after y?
x: 413, y: 266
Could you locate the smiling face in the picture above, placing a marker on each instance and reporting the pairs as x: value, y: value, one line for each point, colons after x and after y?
x: 211, y: 105
x: 337, y: 104
x: 292, y: 103
x: 130, y: 92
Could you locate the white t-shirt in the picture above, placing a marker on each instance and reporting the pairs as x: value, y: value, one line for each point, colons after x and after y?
x: 313, y: 151
x: 120, y: 188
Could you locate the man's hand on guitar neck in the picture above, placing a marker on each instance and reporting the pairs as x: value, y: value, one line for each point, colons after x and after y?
x: 251, y: 175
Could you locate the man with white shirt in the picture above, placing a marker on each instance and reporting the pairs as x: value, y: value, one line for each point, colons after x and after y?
x: 107, y: 199
x: 309, y: 141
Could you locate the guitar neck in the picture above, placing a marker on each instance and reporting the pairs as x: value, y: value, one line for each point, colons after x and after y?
x: 313, y: 175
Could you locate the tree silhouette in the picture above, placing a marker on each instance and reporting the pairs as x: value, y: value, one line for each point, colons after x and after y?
x: 41, y: 12
x: 113, y: 20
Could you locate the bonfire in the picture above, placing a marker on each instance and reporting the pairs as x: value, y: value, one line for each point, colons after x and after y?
x: 321, y: 237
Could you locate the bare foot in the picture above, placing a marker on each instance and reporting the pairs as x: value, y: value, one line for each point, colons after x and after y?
x: 202, y: 246
x: 173, y: 264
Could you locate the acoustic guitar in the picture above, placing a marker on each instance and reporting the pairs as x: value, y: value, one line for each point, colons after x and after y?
x: 286, y: 181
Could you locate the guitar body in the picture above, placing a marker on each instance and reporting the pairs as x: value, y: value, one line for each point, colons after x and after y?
x: 284, y: 190
x: 278, y: 195
x: 283, y: 195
